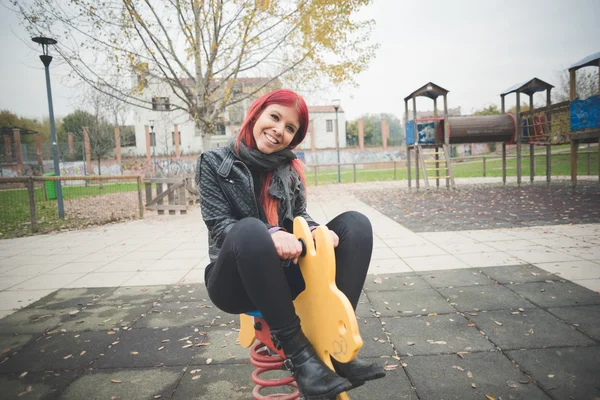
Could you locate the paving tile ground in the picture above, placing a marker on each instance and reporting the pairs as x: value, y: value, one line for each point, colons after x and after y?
x: 456, y: 309
x: 488, y: 206
x: 456, y: 347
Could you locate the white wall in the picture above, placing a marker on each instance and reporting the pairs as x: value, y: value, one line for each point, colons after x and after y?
x: 324, y: 139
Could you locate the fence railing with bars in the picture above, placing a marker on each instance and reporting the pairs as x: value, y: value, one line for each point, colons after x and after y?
x: 29, y: 204
x: 487, y: 165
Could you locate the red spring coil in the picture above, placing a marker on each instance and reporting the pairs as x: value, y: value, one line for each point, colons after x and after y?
x: 264, y: 362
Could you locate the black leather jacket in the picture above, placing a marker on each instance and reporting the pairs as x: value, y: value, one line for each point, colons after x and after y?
x: 227, y: 196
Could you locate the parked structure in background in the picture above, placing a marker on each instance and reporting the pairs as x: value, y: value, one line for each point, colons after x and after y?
x: 571, y: 122
x: 321, y: 130
x: 168, y: 112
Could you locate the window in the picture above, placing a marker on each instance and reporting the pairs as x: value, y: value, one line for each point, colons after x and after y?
x: 127, y: 136
x: 219, y: 129
x: 329, y: 125
x: 161, y: 104
x: 173, y: 138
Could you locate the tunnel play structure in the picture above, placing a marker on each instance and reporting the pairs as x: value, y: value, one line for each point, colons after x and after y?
x: 573, y: 122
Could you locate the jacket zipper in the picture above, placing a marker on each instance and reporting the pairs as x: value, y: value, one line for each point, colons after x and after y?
x: 251, y: 187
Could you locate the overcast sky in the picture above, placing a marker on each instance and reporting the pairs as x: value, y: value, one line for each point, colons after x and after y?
x: 475, y: 49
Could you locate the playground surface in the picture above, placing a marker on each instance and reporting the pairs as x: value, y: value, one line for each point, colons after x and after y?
x: 121, y: 312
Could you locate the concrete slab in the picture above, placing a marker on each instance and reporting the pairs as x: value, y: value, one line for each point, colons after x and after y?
x: 584, y: 318
x: 11, y: 343
x: 409, y: 302
x: 72, y: 298
x: 221, y: 345
x: 179, y: 314
x: 461, y: 277
x: 388, y: 282
x: 490, y: 297
x: 218, y: 382
x: 34, y: 321
x: 568, y: 373
x: 189, y: 292
x: 135, y: 295
x: 435, y: 335
x: 395, y: 385
x: 556, y: 294
x: 531, y: 329
x: 447, y: 377
x: 376, y: 341
x: 61, y: 351
x: 513, y: 274
x: 134, y: 384
x: 152, y: 347
x: 36, y: 385
x: 104, y: 317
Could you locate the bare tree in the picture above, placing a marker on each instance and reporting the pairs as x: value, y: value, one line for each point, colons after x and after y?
x: 199, y: 48
x: 586, y: 84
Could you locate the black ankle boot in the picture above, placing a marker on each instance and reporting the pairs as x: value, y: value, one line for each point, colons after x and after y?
x: 316, y: 381
x: 358, y: 371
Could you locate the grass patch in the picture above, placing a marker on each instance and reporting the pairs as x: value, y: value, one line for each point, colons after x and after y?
x: 15, y: 220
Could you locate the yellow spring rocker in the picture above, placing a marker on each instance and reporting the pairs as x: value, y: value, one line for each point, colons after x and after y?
x: 327, y: 317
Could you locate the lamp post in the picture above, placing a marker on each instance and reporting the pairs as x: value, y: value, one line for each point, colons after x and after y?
x: 153, y: 144
x: 336, y: 105
x: 46, y: 60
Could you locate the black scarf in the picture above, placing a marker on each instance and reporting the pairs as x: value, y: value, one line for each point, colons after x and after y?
x: 285, y: 181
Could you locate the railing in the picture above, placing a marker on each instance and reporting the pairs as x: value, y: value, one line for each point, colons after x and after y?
x: 464, y: 166
x: 28, y: 205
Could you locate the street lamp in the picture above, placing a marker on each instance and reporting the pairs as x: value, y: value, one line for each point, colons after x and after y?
x: 47, y: 59
x: 153, y: 144
x: 336, y: 105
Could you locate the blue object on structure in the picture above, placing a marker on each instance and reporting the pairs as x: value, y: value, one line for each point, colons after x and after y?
x: 585, y: 114
x: 410, y: 132
x: 300, y: 155
x: 426, y: 133
x: 254, y: 314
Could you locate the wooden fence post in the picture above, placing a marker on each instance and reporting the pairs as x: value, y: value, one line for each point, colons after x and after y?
x: 484, y: 168
x: 159, y: 190
x: 140, y: 201
x: 32, y: 208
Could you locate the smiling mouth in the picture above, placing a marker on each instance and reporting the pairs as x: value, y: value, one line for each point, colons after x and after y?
x: 271, y: 139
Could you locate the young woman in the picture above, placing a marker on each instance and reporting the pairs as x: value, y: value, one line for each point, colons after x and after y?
x: 250, y: 193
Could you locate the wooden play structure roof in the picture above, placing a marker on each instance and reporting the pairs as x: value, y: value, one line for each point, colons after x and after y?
x: 430, y: 90
x: 530, y: 87
x: 591, y: 60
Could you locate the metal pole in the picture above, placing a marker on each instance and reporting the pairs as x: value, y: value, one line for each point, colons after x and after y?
x: 46, y: 59
x: 337, y: 144
x: 153, y: 147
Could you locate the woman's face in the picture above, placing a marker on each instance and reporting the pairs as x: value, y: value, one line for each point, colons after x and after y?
x: 275, y: 128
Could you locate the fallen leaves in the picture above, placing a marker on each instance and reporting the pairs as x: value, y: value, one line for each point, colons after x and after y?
x: 67, y: 356
x: 436, y: 341
x: 209, y: 360
x: 28, y: 389
x: 115, y: 381
x: 377, y: 280
x: 498, y: 323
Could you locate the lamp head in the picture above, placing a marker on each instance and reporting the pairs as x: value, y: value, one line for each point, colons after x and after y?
x: 336, y: 103
x: 151, y: 124
x: 45, y: 42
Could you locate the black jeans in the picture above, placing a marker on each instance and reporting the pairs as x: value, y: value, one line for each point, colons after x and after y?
x: 248, y: 274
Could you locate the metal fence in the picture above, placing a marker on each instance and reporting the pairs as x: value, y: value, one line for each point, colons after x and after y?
x: 29, y: 204
x: 489, y: 165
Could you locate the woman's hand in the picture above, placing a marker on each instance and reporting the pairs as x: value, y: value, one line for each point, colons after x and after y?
x: 334, y: 237
x: 287, y: 246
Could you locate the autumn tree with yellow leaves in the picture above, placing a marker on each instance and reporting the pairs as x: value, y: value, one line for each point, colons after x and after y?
x: 199, y: 48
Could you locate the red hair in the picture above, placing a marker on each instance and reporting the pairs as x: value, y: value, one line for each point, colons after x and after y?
x: 286, y: 98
